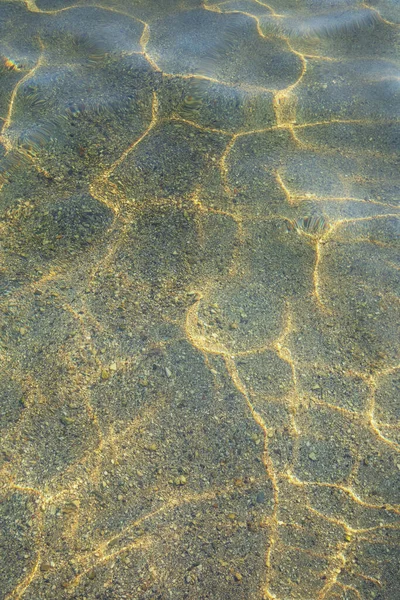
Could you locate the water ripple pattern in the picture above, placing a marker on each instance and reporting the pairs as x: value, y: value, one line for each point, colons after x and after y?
x: 199, y: 300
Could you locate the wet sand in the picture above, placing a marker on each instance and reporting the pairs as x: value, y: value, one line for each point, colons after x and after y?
x: 199, y: 300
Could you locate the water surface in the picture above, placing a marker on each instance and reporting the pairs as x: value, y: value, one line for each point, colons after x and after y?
x: 199, y: 296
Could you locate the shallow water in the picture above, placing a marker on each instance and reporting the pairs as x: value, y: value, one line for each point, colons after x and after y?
x: 199, y: 296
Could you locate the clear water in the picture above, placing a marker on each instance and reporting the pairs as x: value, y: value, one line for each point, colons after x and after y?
x: 199, y: 296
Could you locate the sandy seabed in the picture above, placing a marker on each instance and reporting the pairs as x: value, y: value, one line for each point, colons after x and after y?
x: 199, y: 300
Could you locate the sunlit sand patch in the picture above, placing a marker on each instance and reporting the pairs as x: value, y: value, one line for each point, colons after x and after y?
x: 386, y: 409
x: 228, y: 318
x: 90, y: 34
x: 361, y: 273
x: 249, y: 7
x: 363, y: 136
x: 335, y: 84
x: 147, y: 11
x: 387, y: 9
x: 211, y: 104
x: 171, y: 173
x: 212, y: 54
x: 367, y: 43
x: 336, y: 387
x: 15, y: 502
x: 252, y: 164
x: 321, y: 25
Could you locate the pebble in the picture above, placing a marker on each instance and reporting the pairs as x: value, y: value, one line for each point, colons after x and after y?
x: 312, y: 456
x: 180, y: 480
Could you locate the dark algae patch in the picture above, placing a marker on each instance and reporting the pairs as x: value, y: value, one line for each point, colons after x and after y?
x: 199, y: 300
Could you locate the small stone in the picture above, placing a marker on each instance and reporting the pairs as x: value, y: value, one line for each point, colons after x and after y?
x: 312, y: 456
x: 23, y: 331
x: 105, y: 374
x: 168, y: 372
x: 70, y: 508
x: 232, y: 516
x: 180, y: 480
x: 260, y: 498
x: 152, y: 447
x: 238, y: 576
x: 113, y: 366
